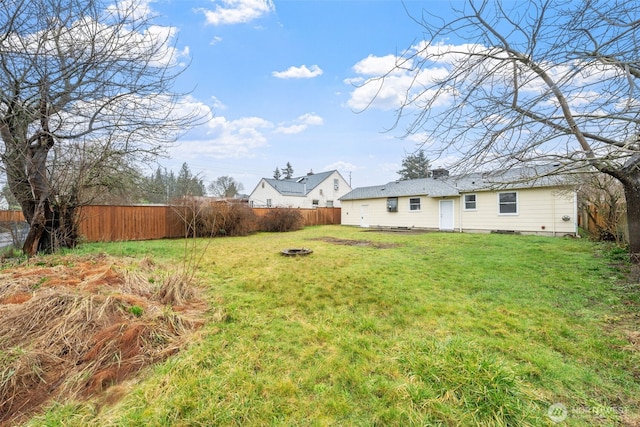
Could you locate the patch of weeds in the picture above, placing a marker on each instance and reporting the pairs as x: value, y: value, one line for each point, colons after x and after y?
x: 38, y: 285
x: 136, y: 310
x: 618, y: 254
x: 10, y: 253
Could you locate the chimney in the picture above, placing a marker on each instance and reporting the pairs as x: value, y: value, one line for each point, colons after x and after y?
x: 439, y: 173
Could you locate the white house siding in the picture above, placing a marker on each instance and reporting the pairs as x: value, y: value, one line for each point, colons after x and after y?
x: 377, y: 215
x: 540, y: 211
x: 264, y: 191
x: 323, y: 192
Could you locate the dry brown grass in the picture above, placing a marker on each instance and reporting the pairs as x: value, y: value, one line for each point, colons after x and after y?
x: 73, y: 326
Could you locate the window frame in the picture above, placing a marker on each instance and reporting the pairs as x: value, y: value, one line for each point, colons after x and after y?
x: 475, y: 202
x: 268, y: 203
x: 413, y: 205
x: 392, y: 207
x: 501, y: 203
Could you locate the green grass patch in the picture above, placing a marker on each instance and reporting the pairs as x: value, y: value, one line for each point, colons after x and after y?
x: 390, y: 329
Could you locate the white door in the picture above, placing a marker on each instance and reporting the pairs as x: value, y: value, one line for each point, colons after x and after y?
x: 364, y: 216
x: 446, y: 215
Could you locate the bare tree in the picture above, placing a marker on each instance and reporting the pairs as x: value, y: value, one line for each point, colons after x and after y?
x: 85, y: 90
x: 225, y: 186
x: 530, y: 81
x: 602, y: 203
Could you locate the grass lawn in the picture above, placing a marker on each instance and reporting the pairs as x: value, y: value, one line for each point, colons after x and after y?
x: 390, y: 329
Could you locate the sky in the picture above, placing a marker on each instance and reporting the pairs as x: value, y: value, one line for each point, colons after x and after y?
x: 279, y: 81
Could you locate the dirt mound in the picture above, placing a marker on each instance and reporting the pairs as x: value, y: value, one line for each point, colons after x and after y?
x: 364, y: 243
x: 73, y: 326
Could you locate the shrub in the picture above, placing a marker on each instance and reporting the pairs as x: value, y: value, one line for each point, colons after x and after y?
x: 217, y: 218
x: 281, y: 219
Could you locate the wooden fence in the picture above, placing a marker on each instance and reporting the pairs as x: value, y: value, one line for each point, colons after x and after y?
x: 11, y: 216
x: 601, y: 227
x: 145, y: 222
x: 122, y: 223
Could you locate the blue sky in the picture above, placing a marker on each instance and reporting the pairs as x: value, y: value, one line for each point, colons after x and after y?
x: 279, y: 82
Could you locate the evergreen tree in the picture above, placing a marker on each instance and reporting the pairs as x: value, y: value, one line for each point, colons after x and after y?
x: 163, y: 186
x: 414, y: 166
x: 288, y: 171
x: 277, y: 174
x: 188, y: 184
x: 156, y: 187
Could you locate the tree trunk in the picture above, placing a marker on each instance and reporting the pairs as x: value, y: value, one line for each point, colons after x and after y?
x: 41, y: 221
x: 632, y: 194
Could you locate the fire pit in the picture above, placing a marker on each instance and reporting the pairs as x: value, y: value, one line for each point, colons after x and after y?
x: 296, y: 251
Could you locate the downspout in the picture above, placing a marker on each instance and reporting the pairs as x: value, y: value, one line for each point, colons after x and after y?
x: 460, y: 203
x: 553, y: 213
x: 575, y: 212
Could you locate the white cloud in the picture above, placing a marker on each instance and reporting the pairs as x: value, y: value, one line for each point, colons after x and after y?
x: 140, y: 9
x: 301, y: 72
x: 217, y: 104
x: 226, y: 138
x: 86, y: 39
x: 342, y: 166
x: 237, y: 11
x: 388, y: 82
x: 291, y: 130
x: 300, y: 124
x: 311, y: 119
x: 387, y: 94
x: 215, y: 40
x: 377, y: 66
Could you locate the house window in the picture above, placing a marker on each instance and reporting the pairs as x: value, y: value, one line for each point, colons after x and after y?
x: 329, y: 203
x: 508, y: 203
x: 470, y: 202
x: 336, y: 184
x: 321, y: 192
x: 262, y: 184
x: 414, y: 204
x: 392, y: 204
x: 268, y: 203
x: 315, y: 203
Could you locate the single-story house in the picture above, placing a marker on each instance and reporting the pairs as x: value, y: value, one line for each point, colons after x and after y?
x: 529, y: 200
x: 313, y: 190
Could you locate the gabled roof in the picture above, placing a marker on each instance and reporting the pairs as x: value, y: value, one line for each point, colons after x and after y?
x: 526, y: 177
x: 298, y: 186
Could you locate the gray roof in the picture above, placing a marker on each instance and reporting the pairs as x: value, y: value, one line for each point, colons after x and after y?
x: 298, y: 186
x: 413, y: 187
x: 527, y: 177
x: 514, y: 178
